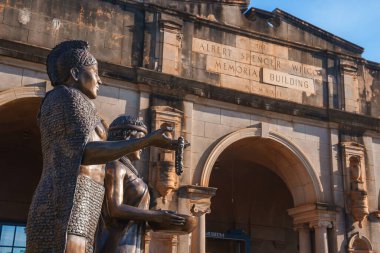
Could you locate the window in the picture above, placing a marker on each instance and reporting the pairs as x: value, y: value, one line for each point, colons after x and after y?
x: 12, y: 238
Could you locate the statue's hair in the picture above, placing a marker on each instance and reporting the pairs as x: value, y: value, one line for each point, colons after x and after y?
x: 123, y: 126
x: 65, y: 56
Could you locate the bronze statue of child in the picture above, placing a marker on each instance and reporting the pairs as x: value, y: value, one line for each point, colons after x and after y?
x: 126, y: 204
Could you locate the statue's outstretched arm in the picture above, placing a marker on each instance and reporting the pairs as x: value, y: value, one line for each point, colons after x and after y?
x: 100, y: 152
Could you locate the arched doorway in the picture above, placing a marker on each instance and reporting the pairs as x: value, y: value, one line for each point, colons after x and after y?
x: 21, y: 158
x: 20, y: 161
x: 261, y: 177
x: 252, y: 201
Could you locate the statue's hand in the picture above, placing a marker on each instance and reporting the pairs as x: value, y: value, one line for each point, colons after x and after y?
x: 169, y: 218
x: 160, y: 138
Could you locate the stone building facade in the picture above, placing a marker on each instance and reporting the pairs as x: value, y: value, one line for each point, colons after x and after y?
x: 283, y: 118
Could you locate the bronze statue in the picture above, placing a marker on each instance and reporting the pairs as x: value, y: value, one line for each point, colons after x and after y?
x: 67, y: 202
x: 126, y: 204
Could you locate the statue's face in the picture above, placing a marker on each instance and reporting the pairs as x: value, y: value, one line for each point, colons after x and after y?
x: 89, y: 81
x: 137, y: 154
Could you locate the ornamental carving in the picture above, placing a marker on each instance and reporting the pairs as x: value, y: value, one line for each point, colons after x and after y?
x: 355, y: 180
x: 359, y: 244
x: 198, y: 198
x: 162, y: 175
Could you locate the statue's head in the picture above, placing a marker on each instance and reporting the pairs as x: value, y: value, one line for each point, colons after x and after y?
x: 127, y: 127
x: 70, y: 63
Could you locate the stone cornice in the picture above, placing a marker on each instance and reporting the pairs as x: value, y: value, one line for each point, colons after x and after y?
x: 179, y: 87
x: 225, y: 2
x: 233, y: 29
x: 318, y: 31
x: 278, y: 13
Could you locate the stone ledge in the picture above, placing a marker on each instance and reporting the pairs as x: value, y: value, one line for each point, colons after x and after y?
x: 178, y: 87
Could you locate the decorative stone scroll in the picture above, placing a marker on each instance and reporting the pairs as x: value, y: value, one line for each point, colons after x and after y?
x: 198, y: 198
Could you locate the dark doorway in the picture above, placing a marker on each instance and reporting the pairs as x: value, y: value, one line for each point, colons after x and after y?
x: 252, y: 200
x: 20, y: 159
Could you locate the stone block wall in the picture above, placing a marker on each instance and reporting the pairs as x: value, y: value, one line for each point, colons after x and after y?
x: 212, y: 122
x: 375, y: 151
x: 111, y: 101
x: 249, y: 65
x: 15, y: 77
x: 114, y: 101
x: 108, y: 28
x: 369, y: 90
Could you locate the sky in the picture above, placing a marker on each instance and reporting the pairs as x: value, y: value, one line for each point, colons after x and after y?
x: 357, y: 21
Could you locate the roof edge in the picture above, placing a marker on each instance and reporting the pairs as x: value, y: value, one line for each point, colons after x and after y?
x: 317, y: 29
x: 305, y: 25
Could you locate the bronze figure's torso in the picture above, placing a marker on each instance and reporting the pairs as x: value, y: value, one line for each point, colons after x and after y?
x: 124, y: 236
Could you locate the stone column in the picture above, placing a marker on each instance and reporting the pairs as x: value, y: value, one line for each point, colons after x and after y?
x: 321, y: 242
x: 199, y: 201
x: 198, y: 242
x: 304, y: 238
x: 202, y: 234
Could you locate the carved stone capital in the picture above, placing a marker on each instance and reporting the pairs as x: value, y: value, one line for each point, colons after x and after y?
x: 349, y: 66
x: 316, y: 215
x: 198, y: 197
x: 301, y: 226
x: 321, y: 224
x: 199, y: 209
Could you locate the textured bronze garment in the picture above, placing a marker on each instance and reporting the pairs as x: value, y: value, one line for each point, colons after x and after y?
x: 84, y: 217
x: 67, y: 117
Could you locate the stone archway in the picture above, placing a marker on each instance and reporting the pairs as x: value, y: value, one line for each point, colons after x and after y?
x: 296, y: 170
x: 281, y: 156
x: 20, y: 150
x: 10, y: 95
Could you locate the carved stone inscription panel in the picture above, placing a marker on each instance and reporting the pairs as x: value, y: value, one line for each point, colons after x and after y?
x: 288, y: 81
x: 253, y: 66
x: 238, y: 69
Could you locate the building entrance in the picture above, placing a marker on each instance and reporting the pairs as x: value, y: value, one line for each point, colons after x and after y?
x: 252, y: 199
x: 20, y: 159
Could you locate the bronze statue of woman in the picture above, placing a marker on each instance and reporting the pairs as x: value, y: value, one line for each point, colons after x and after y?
x: 67, y: 202
x: 126, y: 205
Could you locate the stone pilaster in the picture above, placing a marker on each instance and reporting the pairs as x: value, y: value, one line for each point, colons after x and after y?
x: 171, y: 44
x: 321, y: 241
x: 303, y: 238
x: 198, y: 199
x: 318, y: 216
x: 349, y: 70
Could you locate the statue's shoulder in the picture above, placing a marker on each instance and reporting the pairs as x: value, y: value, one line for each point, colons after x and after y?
x: 58, y: 94
x: 115, y: 164
x: 115, y: 167
x: 69, y: 99
x: 62, y: 92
